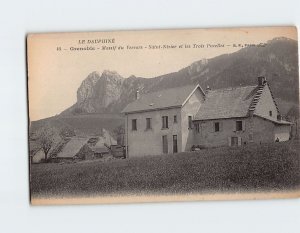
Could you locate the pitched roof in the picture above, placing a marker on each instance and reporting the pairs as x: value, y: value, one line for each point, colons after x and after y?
x: 174, y: 97
x: 72, y: 147
x: 226, y: 103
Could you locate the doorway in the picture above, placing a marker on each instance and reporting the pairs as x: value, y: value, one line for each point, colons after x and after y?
x: 234, y: 141
x: 165, y: 144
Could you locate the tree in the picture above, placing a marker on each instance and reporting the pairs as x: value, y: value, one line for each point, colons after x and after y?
x: 119, y: 133
x: 47, y: 137
x: 67, y: 132
x: 293, y: 113
x: 293, y: 116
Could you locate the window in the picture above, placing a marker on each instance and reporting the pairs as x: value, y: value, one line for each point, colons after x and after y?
x: 165, y: 122
x: 217, y: 126
x: 175, y: 147
x: 175, y: 118
x: 133, y: 124
x: 235, y: 141
x: 190, y: 122
x: 239, y: 125
x: 148, y: 123
x: 270, y: 113
x: 197, y: 125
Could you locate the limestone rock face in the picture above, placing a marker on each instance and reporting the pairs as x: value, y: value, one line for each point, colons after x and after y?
x: 197, y: 66
x: 97, y: 92
x: 86, y: 92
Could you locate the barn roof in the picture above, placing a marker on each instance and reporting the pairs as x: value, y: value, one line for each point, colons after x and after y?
x: 168, y: 98
x: 226, y: 103
x: 72, y: 147
x: 100, y: 150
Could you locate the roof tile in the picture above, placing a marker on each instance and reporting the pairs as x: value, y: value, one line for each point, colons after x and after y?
x: 226, y: 103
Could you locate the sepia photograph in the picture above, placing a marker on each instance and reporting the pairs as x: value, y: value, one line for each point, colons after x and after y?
x: 163, y: 115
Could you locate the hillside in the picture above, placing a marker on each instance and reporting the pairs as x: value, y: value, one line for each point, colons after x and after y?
x: 278, y: 61
x: 82, y: 125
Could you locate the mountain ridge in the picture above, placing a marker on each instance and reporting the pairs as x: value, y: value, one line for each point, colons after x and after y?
x: 109, y: 92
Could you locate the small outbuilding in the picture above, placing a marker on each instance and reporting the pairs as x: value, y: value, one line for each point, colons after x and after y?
x: 99, y: 152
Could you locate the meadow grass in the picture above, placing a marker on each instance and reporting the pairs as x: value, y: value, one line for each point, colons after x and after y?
x: 255, y: 168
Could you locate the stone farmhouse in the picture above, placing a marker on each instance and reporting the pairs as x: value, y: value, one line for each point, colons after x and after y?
x: 183, y: 118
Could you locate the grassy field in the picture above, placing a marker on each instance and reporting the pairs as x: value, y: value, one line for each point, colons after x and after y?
x: 270, y: 167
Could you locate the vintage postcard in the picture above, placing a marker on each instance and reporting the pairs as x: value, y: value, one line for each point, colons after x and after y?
x: 163, y: 115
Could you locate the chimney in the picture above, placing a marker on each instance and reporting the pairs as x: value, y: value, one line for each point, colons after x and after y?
x: 137, y: 95
x: 279, y: 117
x: 207, y: 89
x: 261, y: 80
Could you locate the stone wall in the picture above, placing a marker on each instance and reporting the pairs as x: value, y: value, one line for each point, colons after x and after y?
x: 259, y: 131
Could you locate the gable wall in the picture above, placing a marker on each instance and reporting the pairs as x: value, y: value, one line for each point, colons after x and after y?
x: 266, y: 104
x: 190, y: 109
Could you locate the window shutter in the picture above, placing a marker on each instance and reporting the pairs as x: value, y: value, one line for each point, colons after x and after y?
x: 243, y: 125
x: 167, y: 122
x: 239, y: 141
x: 190, y: 122
x: 229, y: 141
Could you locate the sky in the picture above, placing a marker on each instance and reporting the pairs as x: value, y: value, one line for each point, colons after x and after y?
x: 56, y: 69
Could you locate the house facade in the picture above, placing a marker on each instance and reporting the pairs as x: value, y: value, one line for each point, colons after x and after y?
x: 238, y: 116
x: 177, y: 119
x: 161, y: 122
